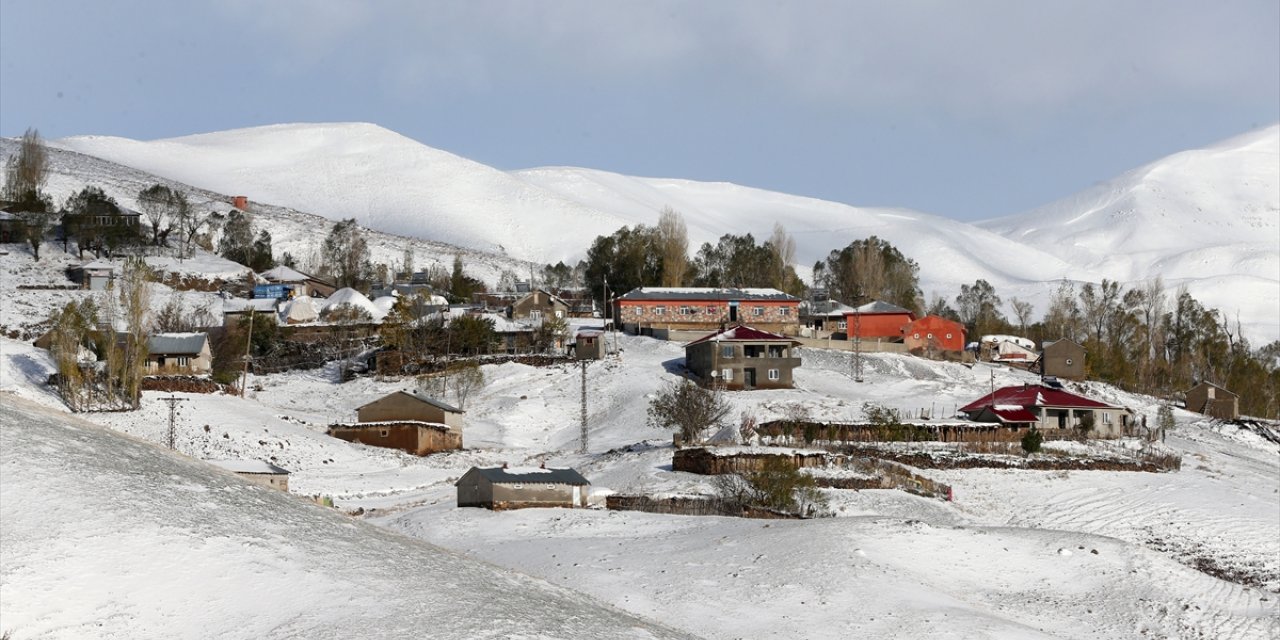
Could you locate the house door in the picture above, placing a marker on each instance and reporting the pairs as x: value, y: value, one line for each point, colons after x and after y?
x: 749, y: 378
x: 733, y: 312
x: 577, y: 495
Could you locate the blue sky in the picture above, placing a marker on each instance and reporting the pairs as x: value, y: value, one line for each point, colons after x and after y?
x: 964, y: 109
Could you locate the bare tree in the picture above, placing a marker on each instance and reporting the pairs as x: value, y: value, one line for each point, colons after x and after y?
x: 28, y: 169
x: 673, y: 243
x: 783, y: 247
x: 689, y: 409
x: 1022, y: 311
x: 160, y: 203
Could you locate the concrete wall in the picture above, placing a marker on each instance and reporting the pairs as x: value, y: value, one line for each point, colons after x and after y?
x: 708, y: 357
x: 1063, y: 359
x: 272, y: 480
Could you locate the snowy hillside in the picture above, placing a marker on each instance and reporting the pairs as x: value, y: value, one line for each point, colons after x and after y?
x: 109, y: 537
x: 382, y: 179
x: 1207, y: 217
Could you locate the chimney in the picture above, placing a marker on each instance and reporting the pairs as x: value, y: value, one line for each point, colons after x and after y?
x: 543, y: 465
x: 504, y: 465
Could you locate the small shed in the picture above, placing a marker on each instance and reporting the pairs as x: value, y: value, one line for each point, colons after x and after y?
x: 1213, y: 401
x: 418, y: 438
x: 257, y: 472
x: 502, y: 488
x: 588, y: 344
x: 410, y: 406
x: 97, y: 275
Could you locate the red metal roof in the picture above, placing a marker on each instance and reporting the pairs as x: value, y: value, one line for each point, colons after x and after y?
x: 1015, y: 415
x: 1033, y: 395
x: 741, y: 333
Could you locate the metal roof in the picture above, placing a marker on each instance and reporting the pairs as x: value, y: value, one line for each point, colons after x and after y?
x: 877, y: 306
x: 741, y: 333
x: 534, y: 475
x: 1034, y: 395
x: 177, y: 343
x: 707, y: 293
x: 421, y: 398
x: 249, y: 466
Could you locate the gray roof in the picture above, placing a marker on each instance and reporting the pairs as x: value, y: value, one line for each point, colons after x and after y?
x: 706, y: 293
x: 177, y: 343
x: 498, y: 475
x: 249, y: 466
x: 877, y: 306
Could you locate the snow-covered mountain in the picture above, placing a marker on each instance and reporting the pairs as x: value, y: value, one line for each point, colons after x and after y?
x: 1206, y: 218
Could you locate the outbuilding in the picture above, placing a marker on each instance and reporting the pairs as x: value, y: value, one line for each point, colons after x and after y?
x: 1213, y: 401
x: 257, y: 472
x: 501, y: 488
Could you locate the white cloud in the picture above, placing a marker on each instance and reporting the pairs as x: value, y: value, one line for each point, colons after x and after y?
x: 960, y: 57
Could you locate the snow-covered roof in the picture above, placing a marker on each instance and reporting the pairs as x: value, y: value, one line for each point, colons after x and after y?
x: 352, y: 298
x: 241, y: 305
x: 529, y: 475
x: 248, y: 466
x: 1034, y: 395
x: 741, y: 333
x: 284, y: 274
x: 707, y: 293
x: 177, y: 343
x: 300, y: 309
x: 878, y: 306
x: 98, y: 264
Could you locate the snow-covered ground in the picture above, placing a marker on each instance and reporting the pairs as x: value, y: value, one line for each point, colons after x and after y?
x: 1012, y: 557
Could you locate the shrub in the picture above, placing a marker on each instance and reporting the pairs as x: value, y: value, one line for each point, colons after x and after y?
x: 689, y: 409
x: 1031, y: 440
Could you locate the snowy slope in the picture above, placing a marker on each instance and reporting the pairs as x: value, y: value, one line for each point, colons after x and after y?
x: 382, y: 179
x: 1208, y: 217
x: 106, y: 536
x: 1205, y: 218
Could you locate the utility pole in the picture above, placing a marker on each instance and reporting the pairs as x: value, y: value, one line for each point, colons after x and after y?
x: 248, y: 344
x: 173, y: 414
x: 583, y: 448
x: 857, y: 347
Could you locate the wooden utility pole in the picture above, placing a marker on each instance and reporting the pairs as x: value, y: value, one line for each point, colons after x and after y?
x: 248, y: 345
x: 583, y: 445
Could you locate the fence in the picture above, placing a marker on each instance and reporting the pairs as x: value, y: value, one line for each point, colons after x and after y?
x: 691, y: 506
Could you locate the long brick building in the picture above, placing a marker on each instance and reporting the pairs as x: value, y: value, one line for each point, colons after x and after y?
x: 706, y: 309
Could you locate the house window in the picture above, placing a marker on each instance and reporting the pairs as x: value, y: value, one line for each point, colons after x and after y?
x: 686, y: 310
x: 948, y: 336
x: 559, y: 313
x: 659, y: 310
x: 916, y: 335
x: 840, y: 324
x: 784, y: 311
x: 1106, y: 418
x: 1068, y: 362
x: 773, y: 374
x: 726, y: 351
x: 757, y: 311
x: 929, y: 337
x: 727, y: 374
x: 383, y: 432
x: 184, y: 361
x: 711, y: 309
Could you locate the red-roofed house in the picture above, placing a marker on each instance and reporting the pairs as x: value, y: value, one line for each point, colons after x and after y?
x: 1050, y: 409
x: 742, y: 357
x: 877, y: 321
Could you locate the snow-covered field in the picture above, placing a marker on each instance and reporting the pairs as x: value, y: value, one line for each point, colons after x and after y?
x: 1013, y: 557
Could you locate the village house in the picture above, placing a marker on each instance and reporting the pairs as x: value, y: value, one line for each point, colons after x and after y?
x: 502, y: 488
x: 179, y: 353
x: 1062, y: 359
x: 820, y: 318
x: 1051, y: 409
x: 645, y: 309
x: 934, y: 337
x: 237, y: 310
x: 877, y: 321
x: 407, y: 421
x: 257, y: 472
x: 742, y: 358
x: 1213, y: 401
x: 538, y: 305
